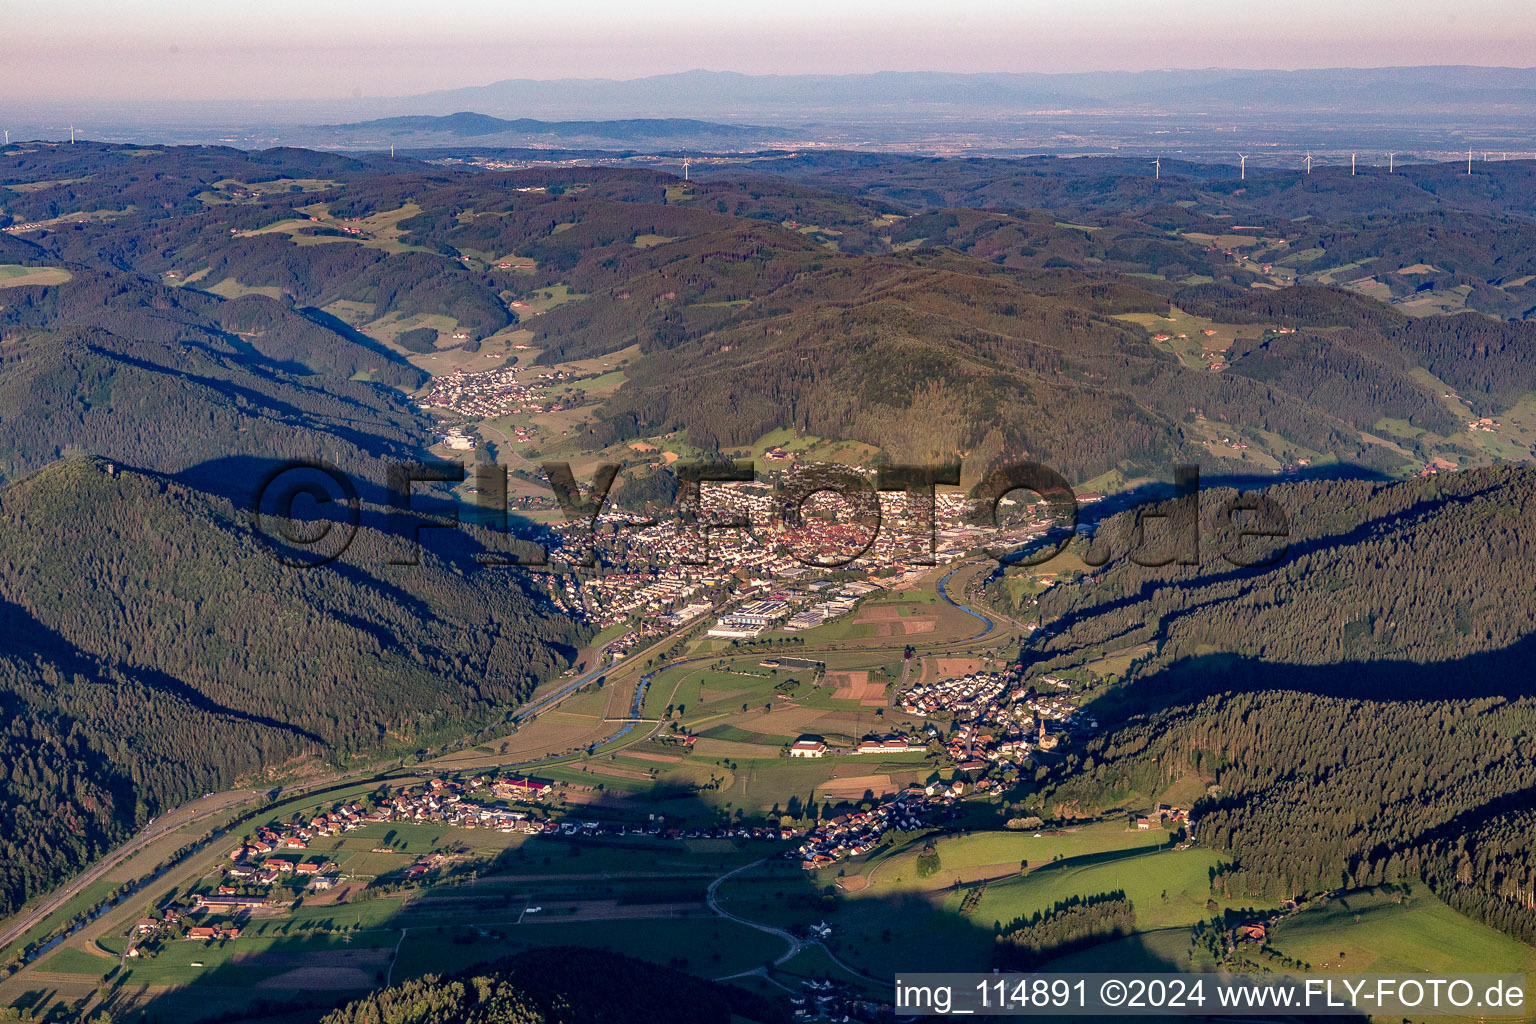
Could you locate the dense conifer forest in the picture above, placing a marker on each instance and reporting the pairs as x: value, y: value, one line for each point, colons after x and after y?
x: 153, y: 652
x: 1361, y: 711
x: 1073, y: 923
x: 570, y: 986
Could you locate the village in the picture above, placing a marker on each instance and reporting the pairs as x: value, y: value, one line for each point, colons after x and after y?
x: 795, y: 577
x: 274, y: 866
x: 994, y: 725
x: 995, y: 718
x: 857, y: 832
x: 498, y: 392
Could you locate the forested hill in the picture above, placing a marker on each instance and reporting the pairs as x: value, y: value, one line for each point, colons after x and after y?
x: 1130, y: 184
x: 758, y: 303
x: 114, y: 365
x: 561, y: 985
x: 1423, y: 230
x: 1362, y: 710
x: 153, y: 651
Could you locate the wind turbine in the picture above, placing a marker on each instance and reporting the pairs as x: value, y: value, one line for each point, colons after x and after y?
x: 1309, y: 161
x: 1469, y: 161
x: 1391, y: 159
x: 1351, y: 165
x: 71, y: 135
x: 1242, y: 166
x: 1157, y: 168
x: 685, y: 166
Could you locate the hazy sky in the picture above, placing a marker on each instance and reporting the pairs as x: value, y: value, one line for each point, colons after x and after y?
x: 282, y: 49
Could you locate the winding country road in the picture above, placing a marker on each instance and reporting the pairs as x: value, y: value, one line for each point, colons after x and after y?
x: 796, y: 945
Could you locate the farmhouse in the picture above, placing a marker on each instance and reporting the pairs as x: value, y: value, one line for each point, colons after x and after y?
x: 1252, y: 932
x: 807, y: 747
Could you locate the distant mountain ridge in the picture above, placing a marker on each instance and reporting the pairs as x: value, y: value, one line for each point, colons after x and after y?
x: 1430, y: 108
x: 486, y: 130
x: 1403, y: 90
x: 468, y: 123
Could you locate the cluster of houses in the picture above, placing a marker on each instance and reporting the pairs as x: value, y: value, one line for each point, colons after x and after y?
x: 174, y: 920
x: 825, y: 999
x: 1160, y: 816
x: 298, y: 835
x: 39, y: 225
x: 452, y: 802
x: 152, y: 928
x: 469, y: 814
x: 857, y: 832
x: 497, y: 392
x: 995, y: 717
x: 972, y: 694
x: 267, y: 858
x: 664, y: 565
x: 627, y: 589
x: 614, y: 596
x: 622, y: 593
x: 619, y: 647
x: 273, y: 870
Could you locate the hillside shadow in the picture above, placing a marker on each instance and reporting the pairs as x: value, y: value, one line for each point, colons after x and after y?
x: 480, y: 919
x: 464, y: 534
x: 336, y: 325
x: 476, y: 917
x: 1145, y: 497
x: 27, y: 638
x: 1197, y: 579
x: 237, y: 478
x: 1506, y: 672
x: 287, y: 412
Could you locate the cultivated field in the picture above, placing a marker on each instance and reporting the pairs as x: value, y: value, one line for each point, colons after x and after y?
x: 15, y: 276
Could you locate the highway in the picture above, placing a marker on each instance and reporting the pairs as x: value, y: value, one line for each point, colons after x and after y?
x: 188, y: 814
x: 550, y: 700
x: 171, y: 821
